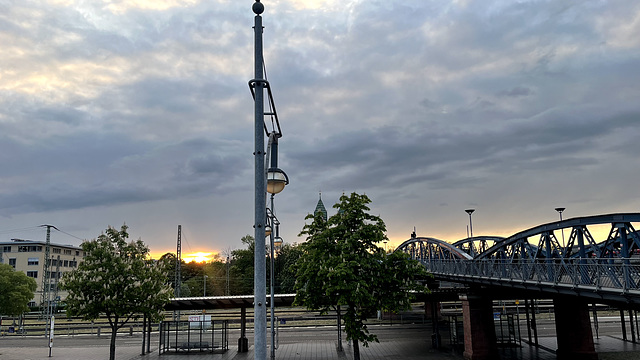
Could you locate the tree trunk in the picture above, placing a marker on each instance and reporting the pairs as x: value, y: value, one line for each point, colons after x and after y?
x: 112, y: 345
x: 356, y: 350
x: 339, y: 328
x: 144, y: 334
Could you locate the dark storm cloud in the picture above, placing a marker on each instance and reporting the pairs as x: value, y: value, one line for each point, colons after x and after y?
x: 392, y: 157
x: 103, y: 170
x: 420, y: 104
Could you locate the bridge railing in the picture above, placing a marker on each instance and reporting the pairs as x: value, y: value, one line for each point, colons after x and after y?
x: 613, y: 274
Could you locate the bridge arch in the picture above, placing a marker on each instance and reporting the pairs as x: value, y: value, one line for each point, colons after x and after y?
x: 622, y: 240
x: 475, y: 246
x: 425, y: 249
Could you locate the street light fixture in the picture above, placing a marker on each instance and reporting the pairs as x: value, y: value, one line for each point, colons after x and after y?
x: 272, y: 181
x: 276, y: 180
x: 277, y: 242
x: 470, y: 211
x: 560, y: 210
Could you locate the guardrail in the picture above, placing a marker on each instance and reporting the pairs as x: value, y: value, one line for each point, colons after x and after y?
x: 615, y: 275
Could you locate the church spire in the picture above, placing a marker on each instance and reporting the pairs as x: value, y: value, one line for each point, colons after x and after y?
x: 320, y: 208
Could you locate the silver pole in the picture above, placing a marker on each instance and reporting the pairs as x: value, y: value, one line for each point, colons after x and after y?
x: 204, y: 286
x: 560, y: 210
x: 273, y: 328
x: 259, y: 291
x: 470, y: 211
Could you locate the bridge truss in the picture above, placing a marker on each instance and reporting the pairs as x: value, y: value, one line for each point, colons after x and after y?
x: 536, y: 259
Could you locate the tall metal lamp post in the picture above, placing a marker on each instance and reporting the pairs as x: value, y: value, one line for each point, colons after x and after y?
x: 470, y: 211
x: 272, y: 181
x: 275, y: 225
x: 204, y: 286
x: 560, y: 210
x: 276, y: 181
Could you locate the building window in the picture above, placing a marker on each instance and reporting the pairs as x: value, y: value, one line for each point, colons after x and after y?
x: 32, y: 274
x: 66, y: 263
x: 12, y: 262
x: 33, y: 261
x: 6, y: 248
x: 77, y: 253
x: 29, y: 248
x: 57, y: 251
x: 67, y: 252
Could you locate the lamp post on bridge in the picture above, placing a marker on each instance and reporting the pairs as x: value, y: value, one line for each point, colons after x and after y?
x: 470, y: 211
x: 560, y: 210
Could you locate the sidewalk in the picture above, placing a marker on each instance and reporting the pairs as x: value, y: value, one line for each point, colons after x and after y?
x: 410, y: 348
x: 407, y: 349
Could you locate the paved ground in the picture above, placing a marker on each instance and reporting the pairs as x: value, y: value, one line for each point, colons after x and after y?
x: 399, y: 343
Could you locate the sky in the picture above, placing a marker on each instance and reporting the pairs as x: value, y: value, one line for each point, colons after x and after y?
x: 139, y: 112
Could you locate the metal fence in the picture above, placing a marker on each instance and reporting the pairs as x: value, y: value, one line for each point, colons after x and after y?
x: 594, y: 274
x: 193, y: 336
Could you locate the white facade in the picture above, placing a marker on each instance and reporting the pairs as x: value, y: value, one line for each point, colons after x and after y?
x: 28, y: 256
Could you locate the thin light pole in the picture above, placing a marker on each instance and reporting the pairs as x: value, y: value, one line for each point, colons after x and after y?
x: 560, y: 210
x: 227, y: 290
x: 470, y: 211
x: 204, y: 286
x: 46, y: 278
x: 259, y: 285
x: 272, y: 277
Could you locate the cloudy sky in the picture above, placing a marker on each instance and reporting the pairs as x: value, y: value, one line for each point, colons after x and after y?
x: 138, y: 111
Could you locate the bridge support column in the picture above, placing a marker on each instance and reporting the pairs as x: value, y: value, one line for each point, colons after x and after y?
x: 243, y: 342
x: 432, y: 310
x: 480, y: 341
x: 573, y: 329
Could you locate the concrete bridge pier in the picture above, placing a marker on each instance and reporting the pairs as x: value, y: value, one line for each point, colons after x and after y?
x: 480, y: 341
x: 573, y: 329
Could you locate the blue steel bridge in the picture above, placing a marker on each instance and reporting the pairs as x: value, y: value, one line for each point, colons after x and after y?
x: 538, y: 259
x: 563, y: 261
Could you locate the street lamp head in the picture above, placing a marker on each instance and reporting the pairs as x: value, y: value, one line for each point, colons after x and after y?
x: 560, y: 209
x: 267, y: 230
x: 258, y: 8
x: 470, y: 211
x: 277, y: 242
x: 276, y: 180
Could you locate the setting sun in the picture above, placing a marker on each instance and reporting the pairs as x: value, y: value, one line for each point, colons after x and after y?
x: 198, y: 257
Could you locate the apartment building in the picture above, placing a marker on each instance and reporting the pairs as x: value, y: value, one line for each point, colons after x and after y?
x: 28, y: 256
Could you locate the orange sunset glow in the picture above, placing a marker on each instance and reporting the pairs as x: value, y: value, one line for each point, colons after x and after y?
x: 198, y: 257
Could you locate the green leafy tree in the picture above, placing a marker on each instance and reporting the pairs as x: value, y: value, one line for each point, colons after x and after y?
x: 216, y: 270
x: 16, y: 290
x: 168, y: 261
x: 285, y: 271
x: 116, y: 279
x: 242, y: 264
x: 341, y: 265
